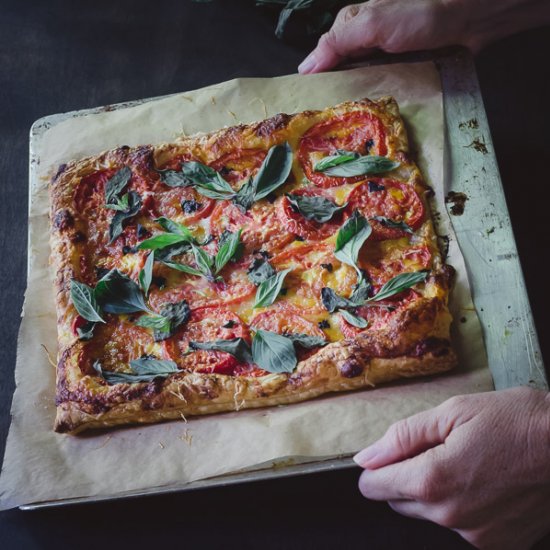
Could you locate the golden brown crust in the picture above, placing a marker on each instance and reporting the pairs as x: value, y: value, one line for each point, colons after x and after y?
x: 415, y: 342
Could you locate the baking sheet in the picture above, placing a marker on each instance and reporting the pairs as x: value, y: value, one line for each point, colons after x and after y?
x: 42, y: 466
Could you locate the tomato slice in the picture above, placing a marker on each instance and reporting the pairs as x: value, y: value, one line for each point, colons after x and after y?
x: 356, y: 131
x: 262, y: 229
x: 89, y: 195
x: 237, y: 166
x: 183, y: 204
x: 383, y: 263
x: 297, y: 224
x: 379, y: 314
x: 394, y: 200
x: 207, y: 325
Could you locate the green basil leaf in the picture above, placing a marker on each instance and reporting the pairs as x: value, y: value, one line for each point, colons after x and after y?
x: 354, y: 320
x: 360, y: 291
x: 332, y: 301
x: 273, y: 352
x: 86, y: 331
x: 174, y: 227
x: 154, y: 321
x: 116, y: 226
x: 144, y: 370
x: 117, y: 293
x: 319, y: 209
x: 227, y: 250
x: 121, y: 204
x: 244, y: 198
x: 274, y: 170
x: 175, y: 314
x: 350, y: 239
x: 334, y: 160
x: 184, y: 268
x: 392, y: 224
x: 116, y: 184
x: 307, y: 341
x: 174, y: 179
x: 146, y: 274
x: 207, y: 181
x: 259, y: 271
x: 269, y: 290
x: 161, y: 241
x: 238, y: 347
x: 166, y: 253
x: 85, y: 302
x: 362, y: 166
x: 204, y: 261
x: 400, y: 282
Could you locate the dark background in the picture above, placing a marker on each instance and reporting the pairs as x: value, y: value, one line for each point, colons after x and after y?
x: 60, y: 56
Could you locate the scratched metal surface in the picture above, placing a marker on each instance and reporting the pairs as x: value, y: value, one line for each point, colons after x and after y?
x: 484, y: 234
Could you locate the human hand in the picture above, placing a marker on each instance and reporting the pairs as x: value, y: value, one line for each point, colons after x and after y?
x: 396, y: 26
x: 478, y: 464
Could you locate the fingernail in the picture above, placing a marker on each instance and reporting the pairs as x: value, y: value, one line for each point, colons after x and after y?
x: 308, y: 64
x: 363, y: 457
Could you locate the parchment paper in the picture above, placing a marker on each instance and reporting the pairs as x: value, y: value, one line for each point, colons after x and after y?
x: 40, y: 465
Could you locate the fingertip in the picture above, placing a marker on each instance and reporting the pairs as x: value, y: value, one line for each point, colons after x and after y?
x: 308, y: 65
x: 364, y: 457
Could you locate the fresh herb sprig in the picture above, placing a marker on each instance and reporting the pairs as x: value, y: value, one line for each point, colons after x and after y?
x: 315, y: 208
x: 346, y: 164
x: 142, y: 370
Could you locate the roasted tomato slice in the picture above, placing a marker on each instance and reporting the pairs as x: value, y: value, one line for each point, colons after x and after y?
x: 182, y: 204
x: 207, y: 325
x: 286, y: 319
x: 391, y: 199
x: 262, y: 229
x: 383, y: 262
x: 89, y: 194
x: 237, y: 166
x: 379, y: 313
x: 356, y: 131
x: 297, y: 224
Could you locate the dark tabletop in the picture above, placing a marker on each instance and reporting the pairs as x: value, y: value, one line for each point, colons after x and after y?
x: 60, y: 56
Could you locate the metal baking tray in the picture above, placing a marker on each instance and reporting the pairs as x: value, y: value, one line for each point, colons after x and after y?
x: 484, y: 234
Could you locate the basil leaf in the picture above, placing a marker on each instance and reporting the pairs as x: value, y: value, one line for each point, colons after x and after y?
x: 85, y: 302
x: 244, y: 198
x: 184, y: 268
x: 116, y: 226
x: 157, y: 322
x: 227, y: 250
x: 269, y: 290
x: 86, y: 331
x: 307, y: 341
x: 400, y: 282
x: 116, y: 184
x: 360, y: 291
x: 350, y: 239
x: 121, y: 204
x: 334, y: 160
x: 117, y: 293
x: 207, y: 181
x: 274, y: 170
x: 392, y: 224
x: 161, y: 241
x: 318, y: 209
x: 176, y: 315
x: 168, y: 252
x: 332, y: 301
x: 144, y: 370
x: 273, y: 352
x: 174, y: 179
x: 175, y: 227
x: 146, y: 274
x: 238, y: 347
x: 362, y: 166
x: 204, y: 261
x: 354, y: 320
x: 259, y: 271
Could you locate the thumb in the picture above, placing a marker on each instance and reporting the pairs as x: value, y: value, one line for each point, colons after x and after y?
x: 348, y: 37
x: 405, y: 439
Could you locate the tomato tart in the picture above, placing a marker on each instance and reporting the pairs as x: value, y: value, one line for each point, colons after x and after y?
x: 258, y: 265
